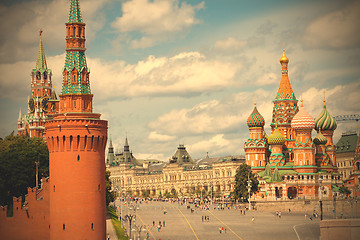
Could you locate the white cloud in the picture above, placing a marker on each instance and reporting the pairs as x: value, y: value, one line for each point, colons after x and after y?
x: 157, y: 20
x: 213, y: 116
x: 229, y: 44
x: 216, y: 142
x: 338, y: 29
x: 267, y: 79
x: 154, y: 136
x: 21, y: 42
x: 185, y: 74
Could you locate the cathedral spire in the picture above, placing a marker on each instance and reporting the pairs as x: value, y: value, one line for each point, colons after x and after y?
x: 41, y: 60
x: 285, y: 91
x: 75, y: 14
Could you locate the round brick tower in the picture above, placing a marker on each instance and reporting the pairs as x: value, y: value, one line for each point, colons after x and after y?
x: 76, y: 139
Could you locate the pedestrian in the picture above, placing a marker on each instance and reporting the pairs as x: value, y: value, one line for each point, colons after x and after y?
x: 220, y: 230
x: 279, y: 214
x: 208, y: 218
x: 289, y: 210
x: 158, y: 228
x: 160, y: 223
x: 202, y: 218
x: 244, y: 212
x: 241, y: 211
x: 164, y: 223
x: 153, y: 223
x: 253, y: 219
x: 225, y: 230
x: 108, y: 236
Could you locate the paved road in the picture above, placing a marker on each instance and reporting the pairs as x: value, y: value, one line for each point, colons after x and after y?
x: 180, y: 224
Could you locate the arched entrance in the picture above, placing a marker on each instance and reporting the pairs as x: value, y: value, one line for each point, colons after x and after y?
x: 292, y: 192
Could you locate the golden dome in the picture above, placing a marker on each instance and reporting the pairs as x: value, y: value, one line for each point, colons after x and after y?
x: 284, y: 59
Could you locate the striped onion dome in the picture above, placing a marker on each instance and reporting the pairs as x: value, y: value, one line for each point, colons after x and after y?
x: 325, y: 121
x: 276, y: 138
x: 302, y: 120
x: 320, y: 139
x: 255, y: 119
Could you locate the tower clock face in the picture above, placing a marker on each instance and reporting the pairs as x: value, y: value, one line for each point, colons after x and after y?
x: 44, y: 104
x: 32, y: 105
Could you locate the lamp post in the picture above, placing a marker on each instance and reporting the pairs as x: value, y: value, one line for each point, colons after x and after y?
x: 320, y: 199
x: 130, y: 218
x: 249, y: 189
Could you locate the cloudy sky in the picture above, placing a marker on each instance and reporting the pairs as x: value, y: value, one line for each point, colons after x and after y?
x: 170, y: 72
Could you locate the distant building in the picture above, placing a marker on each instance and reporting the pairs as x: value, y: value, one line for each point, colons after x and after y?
x: 345, y: 154
x: 181, y: 174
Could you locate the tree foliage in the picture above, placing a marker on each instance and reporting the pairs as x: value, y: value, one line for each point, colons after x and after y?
x: 240, y: 191
x: 17, y: 165
x: 344, y: 190
x: 110, y: 195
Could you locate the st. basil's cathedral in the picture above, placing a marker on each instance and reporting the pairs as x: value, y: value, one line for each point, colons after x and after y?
x: 289, y: 163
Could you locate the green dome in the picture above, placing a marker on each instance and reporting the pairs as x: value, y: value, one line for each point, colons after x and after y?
x: 320, y: 139
x: 276, y: 138
x: 255, y: 119
x: 325, y: 121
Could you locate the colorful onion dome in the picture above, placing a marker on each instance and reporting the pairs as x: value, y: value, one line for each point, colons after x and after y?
x: 284, y: 59
x: 320, y: 139
x: 325, y: 121
x: 276, y: 138
x: 302, y: 120
x: 255, y: 119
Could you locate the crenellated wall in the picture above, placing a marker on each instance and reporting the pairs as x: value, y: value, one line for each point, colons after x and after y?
x: 30, y: 219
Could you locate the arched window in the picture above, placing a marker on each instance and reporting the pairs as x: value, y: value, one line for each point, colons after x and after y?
x: 74, y: 31
x: 358, y: 166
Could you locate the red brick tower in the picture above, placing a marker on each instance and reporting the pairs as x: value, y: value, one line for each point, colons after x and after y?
x: 33, y: 123
x: 76, y: 138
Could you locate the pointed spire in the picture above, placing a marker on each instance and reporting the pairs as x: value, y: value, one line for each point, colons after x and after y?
x: 126, y: 142
x: 285, y: 90
x: 267, y: 172
x: 41, y: 60
x: 75, y: 14
x: 19, y: 119
x: 276, y: 176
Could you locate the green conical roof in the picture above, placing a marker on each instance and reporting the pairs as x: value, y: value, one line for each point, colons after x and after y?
x: 75, y: 14
x: 267, y: 171
x: 41, y: 60
x: 276, y: 176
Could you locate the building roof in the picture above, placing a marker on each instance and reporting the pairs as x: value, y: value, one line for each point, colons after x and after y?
x: 325, y: 121
x: 302, y: 120
x: 347, y: 143
x: 285, y: 91
x: 75, y: 14
x: 255, y: 119
x: 41, y: 60
x: 181, y: 156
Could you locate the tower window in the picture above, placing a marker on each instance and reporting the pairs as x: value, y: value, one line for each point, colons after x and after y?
x: 78, y: 158
x: 99, y: 187
x: 54, y: 188
x: 64, y: 227
x: 92, y: 226
x: 74, y: 31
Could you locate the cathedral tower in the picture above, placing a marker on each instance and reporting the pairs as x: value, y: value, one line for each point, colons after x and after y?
x: 327, y: 125
x: 33, y: 123
x: 285, y: 108
x: 256, y: 145
x: 304, y: 151
x: 76, y: 138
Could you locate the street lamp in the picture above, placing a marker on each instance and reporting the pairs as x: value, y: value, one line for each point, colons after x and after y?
x: 130, y: 218
x: 249, y: 189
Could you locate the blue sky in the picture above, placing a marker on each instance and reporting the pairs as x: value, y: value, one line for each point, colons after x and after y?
x: 166, y: 72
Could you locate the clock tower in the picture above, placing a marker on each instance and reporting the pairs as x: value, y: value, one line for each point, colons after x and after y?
x: 42, y: 95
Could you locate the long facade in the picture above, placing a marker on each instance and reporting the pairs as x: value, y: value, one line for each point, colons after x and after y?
x: 215, y: 176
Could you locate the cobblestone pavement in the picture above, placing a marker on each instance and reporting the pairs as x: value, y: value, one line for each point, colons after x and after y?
x: 181, y: 224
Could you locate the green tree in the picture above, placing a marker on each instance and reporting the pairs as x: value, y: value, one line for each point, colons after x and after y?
x: 110, y: 195
x: 17, y: 165
x: 240, y: 191
x: 173, y: 193
x: 145, y: 193
x: 345, y: 191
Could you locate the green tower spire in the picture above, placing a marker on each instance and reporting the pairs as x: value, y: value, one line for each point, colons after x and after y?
x: 41, y: 60
x: 75, y: 14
